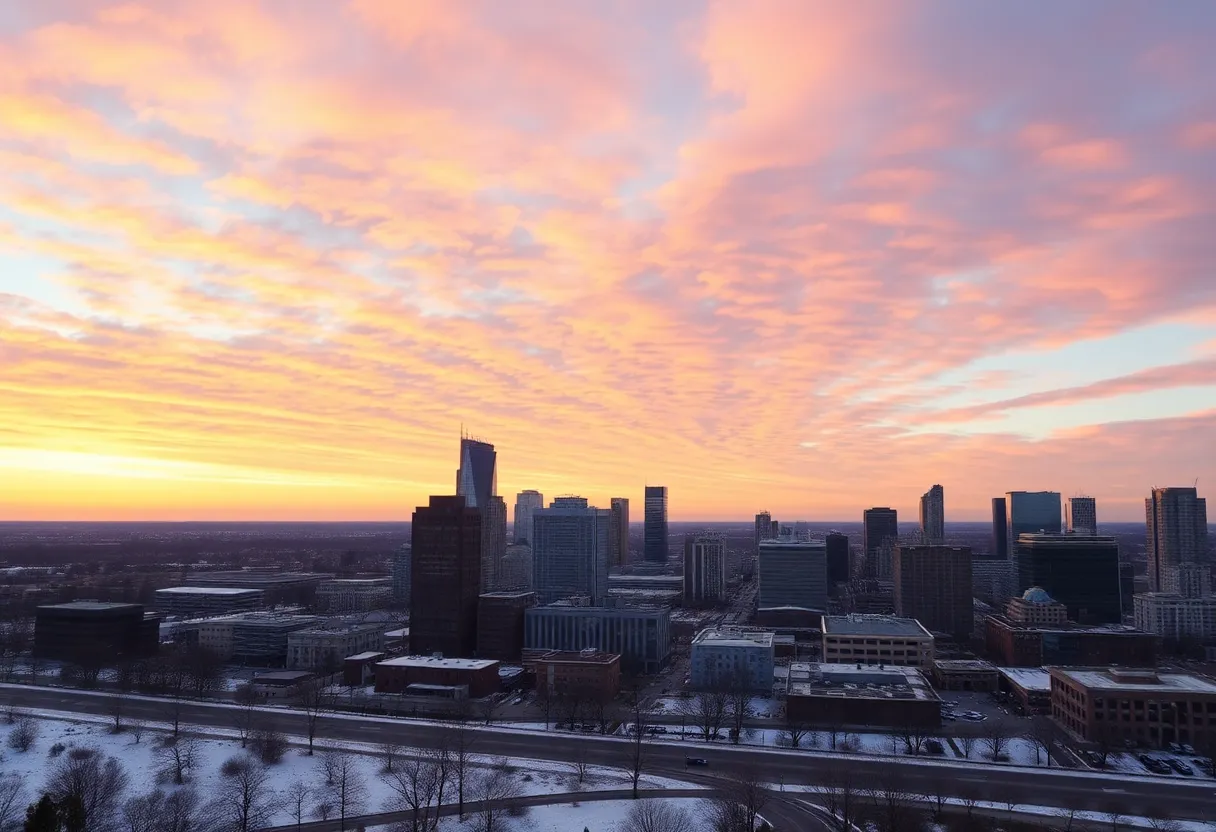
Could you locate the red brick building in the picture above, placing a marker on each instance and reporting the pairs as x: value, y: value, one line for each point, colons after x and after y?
x: 500, y: 624
x: 1017, y: 645
x: 589, y: 672
x: 395, y: 675
x: 1118, y: 705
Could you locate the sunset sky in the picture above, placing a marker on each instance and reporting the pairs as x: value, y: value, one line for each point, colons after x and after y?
x: 263, y: 260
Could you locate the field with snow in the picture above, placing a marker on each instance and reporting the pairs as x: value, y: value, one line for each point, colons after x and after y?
x: 595, y: 816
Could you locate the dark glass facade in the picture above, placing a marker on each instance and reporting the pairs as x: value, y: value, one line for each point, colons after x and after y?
x: 654, y: 533
x: 1000, y: 529
x: 838, y: 557
x: 445, y: 578
x: 1079, y: 571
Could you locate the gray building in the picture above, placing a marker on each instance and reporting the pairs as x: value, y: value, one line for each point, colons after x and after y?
x: 641, y: 637
x: 570, y: 551
x: 190, y: 601
x: 654, y: 533
x: 477, y: 482
x: 526, y: 502
x: 1030, y: 512
x: 879, y: 533
x: 1176, y: 522
x: 618, y: 532
x: 402, y: 561
x: 793, y: 573
x: 993, y: 580
x: 704, y: 568
x: 1081, y: 515
x: 933, y: 514
x: 730, y: 658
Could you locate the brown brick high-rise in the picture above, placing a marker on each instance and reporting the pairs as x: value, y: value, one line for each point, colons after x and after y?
x: 446, y: 578
x: 933, y: 585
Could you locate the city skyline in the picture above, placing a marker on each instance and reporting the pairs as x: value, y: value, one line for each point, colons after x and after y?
x: 813, y: 257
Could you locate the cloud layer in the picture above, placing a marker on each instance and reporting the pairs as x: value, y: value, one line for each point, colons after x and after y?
x: 263, y: 260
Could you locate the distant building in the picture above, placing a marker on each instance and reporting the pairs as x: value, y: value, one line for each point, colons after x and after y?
x: 192, y: 601
x: 1176, y: 522
x: 515, y: 573
x: 764, y: 530
x: 1176, y: 618
x: 1190, y: 580
x: 346, y: 595
x: 493, y: 543
x: 1036, y: 608
x: 641, y: 637
x: 846, y: 695
x: 654, y: 537
x: 1145, y: 707
x: 255, y: 638
x: 1000, y: 529
x: 477, y: 482
x: 446, y: 578
x: 500, y: 624
x: 402, y: 562
x: 526, y: 502
x: 618, y: 532
x: 879, y: 533
x: 1079, y: 571
x: 1081, y: 515
x: 792, y: 573
x: 1031, y: 512
x: 480, y: 676
x: 933, y: 514
x: 1022, y: 645
x: 95, y: 632
x: 278, y: 588
x: 570, y: 551
x: 933, y: 586
x: 993, y: 580
x: 704, y: 568
x: 729, y: 658
x: 325, y: 646
x: 876, y: 639
x: 586, y: 674
x: 836, y: 548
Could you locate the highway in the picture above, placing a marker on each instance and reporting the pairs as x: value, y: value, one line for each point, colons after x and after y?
x: 1136, y: 795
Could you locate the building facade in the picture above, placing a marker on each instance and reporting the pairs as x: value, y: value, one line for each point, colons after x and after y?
x: 526, y: 502
x: 500, y: 624
x: 1031, y: 512
x: 191, y: 601
x: 879, y: 533
x: 402, y: 563
x: 1079, y: 571
x: 836, y: 549
x: 1176, y: 618
x: 477, y: 482
x: 323, y: 648
x: 654, y: 532
x: 570, y: 551
x: 1176, y: 524
x: 446, y: 542
x: 1036, y: 608
x: 877, y: 639
x: 1022, y: 645
x: 843, y: 695
x: 1114, y: 706
x: 1081, y: 515
x: 728, y: 658
x: 1000, y: 529
x: 792, y: 573
x: 618, y: 532
x: 993, y: 580
x: 704, y: 568
x: 933, y: 514
x: 95, y: 632
x: 396, y: 675
x: 588, y: 674
x: 641, y: 637
x: 347, y: 595
x: 933, y: 586
x: 764, y: 530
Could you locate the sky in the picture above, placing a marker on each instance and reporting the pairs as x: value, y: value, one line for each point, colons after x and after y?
x: 267, y: 260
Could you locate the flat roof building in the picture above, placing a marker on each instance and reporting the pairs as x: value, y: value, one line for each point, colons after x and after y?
x: 849, y: 695
x: 347, y: 595
x: 191, y: 601
x: 500, y: 624
x: 877, y: 639
x: 965, y: 674
x: 324, y: 647
x: 731, y: 658
x: 1147, y: 707
x: 396, y: 675
x: 792, y: 573
x: 1018, y: 645
x: 586, y: 674
x: 95, y: 633
x: 640, y: 636
x: 1176, y: 618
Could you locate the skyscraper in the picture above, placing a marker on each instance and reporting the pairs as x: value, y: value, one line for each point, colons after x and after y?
x: 1000, y: 530
x: 933, y: 585
x: 493, y: 542
x: 1079, y: 571
x: 933, y: 514
x: 618, y: 537
x: 570, y: 552
x: 445, y: 577
x: 402, y: 564
x: 1081, y: 515
x: 1031, y: 512
x: 879, y: 531
x: 1176, y: 522
x: 526, y: 502
x: 704, y: 568
x: 654, y: 533
x: 764, y: 528
x: 792, y: 573
x: 838, y: 558
x: 477, y: 482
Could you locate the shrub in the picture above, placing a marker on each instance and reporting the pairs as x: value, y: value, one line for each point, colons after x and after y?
x: 56, y: 749
x: 81, y: 753
x: 22, y: 737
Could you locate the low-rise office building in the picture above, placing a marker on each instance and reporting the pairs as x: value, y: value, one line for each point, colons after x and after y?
x: 850, y: 695
x: 1118, y: 705
x: 95, y: 632
x: 480, y: 676
x: 350, y: 595
x: 1030, y: 688
x: 877, y: 639
x: 500, y: 624
x: 192, y: 601
x: 256, y: 638
x: 589, y: 674
x: 965, y: 674
x: 1036, y: 608
x: 729, y: 658
x: 1018, y: 645
x: 640, y: 636
x: 324, y: 647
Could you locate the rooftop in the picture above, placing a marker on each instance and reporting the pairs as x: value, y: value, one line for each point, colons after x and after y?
x: 853, y: 682
x: 1027, y: 678
x: 91, y: 606
x: 579, y: 656
x: 339, y: 629
x: 775, y: 544
x: 873, y: 625
x: 431, y: 661
x: 1133, y: 681
x: 1037, y: 595
x: 364, y: 656
x: 964, y: 664
x: 207, y: 590
x: 733, y: 637
x: 1070, y: 627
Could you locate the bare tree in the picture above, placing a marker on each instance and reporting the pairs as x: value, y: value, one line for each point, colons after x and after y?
x: 176, y: 757
x: 1104, y: 740
x: 345, y: 785
x: 118, y: 707
x: 141, y: 813
x: 137, y: 728
x: 580, y: 764
x: 245, y: 715
x: 492, y: 788
x: 707, y: 711
x: 313, y: 701
x: 1065, y: 818
x: 996, y: 737
x: 1043, y: 734
x: 23, y: 735
x: 158, y: 811
x: 390, y: 750
x: 296, y: 799
x: 914, y: 735
x: 488, y: 707
x: 835, y: 734
x: 418, y: 785
x: 1114, y: 812
x: 1158, y: 817
x: 245, y: 801
x: 891, y: 803
x: 457, y: 741
x: 636, y: 753
x: 93, y: 782
x: 795, y: 730
x: 841, y: 793
x: 268, y: 744
x: 967, y: 738
x: 737, y: 808
x: 940, y: 792
x: 740, y: 707
x: 656, y: 816
x: 12, y: 799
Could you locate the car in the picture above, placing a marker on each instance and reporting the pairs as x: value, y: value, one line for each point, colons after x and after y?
x: 696, y: 761
x: 934, y: 747
x: 1175, y: 747
x: 1187, y: 749
x: 1180, y: 767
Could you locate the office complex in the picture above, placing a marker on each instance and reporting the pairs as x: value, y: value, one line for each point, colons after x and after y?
x: 95, y: 633
x: 589, y: 674
x: 730, y: 658
x: 641, y: 637
x: 792, y: 573
x: 993, y: 580
x: 325, y: 646
x: 345, y: 595
x: 1011, y: 644
x: 570, y: 551
x: 1176, y: 618
x: 1176, y: 522
x: 876, y: 639
x: 1081, y: 515
x: 500, y: 624
x: 191, y: 601
x: 618, y: 532
x: 477, y: 482
x: 1030, y: 512
x: 1137, y: 707
x: 837, y: 549
x: 1079, y: 571
x: 764, y: 529
x: 475, y: 678
x: 835, y: 695
x: 933, y: 514
x: 1000, y: 530
x: 526, y: 502
x: 654, y: 533
x: 879, y: 532
x: 704, y: 568
x: 933, y: 586
x: 252, y: 637
x: 402, y: 561
x: 446, y: 577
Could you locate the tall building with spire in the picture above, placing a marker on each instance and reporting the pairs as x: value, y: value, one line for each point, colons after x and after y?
x: 526, y: 502
x: 477, y: 482
x: 933, y: 514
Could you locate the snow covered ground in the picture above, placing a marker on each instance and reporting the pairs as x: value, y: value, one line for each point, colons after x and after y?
x: 596, y: 816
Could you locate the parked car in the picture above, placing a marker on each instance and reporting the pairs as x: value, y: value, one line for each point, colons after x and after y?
x: 1187, y: 749
x: 934, y: 747
x: 1180, y: 767
x: 696, y: 761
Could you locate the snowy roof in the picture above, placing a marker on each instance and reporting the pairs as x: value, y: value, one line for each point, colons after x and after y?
x: 362, y: 657
x: 1118, y: 679
x: 1027, y: 678
x: 872, y: 625
x: 964, y: 664
x: 733, y: 637
x: 431, y: 661
x: 207, y: 590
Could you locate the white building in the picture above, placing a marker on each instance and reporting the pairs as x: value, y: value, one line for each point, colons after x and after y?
x: 345, y: 595
x: 325, y: 647
x: 1175, y: 617
x: 526, y: 502
x: 722, y: 658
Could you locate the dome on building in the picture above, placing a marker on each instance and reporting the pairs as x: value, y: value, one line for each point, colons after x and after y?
x: 1037, y: 595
